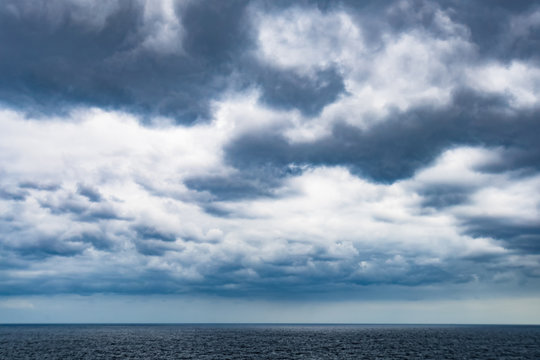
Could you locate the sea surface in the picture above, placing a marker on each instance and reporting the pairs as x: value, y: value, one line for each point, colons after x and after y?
x: 263, y: 341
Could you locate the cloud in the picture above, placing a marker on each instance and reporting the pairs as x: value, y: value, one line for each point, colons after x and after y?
x: 163, y: 32
x: 89, y: 15
x: 144, y: 56
x: 174, y: 58
x: 400, y: 71
x: 424, y: 64
x: 499, y: 29
x: 282, y: 39
x: 309, y: 94
x: 92, y: 194
x: 319, y: 226
x: 267, y: 150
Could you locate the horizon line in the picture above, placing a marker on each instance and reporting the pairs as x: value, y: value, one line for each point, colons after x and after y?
x: 270, y: 323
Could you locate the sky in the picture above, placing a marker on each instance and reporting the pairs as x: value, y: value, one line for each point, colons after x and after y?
x: 270, y: 161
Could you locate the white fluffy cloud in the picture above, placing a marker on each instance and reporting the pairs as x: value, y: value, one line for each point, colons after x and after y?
x: 98, y: 193
x: 402, y: 71
x: 416, y: 67
x: 518, y: 81
x: 309, y: 40
x: 162, y: 30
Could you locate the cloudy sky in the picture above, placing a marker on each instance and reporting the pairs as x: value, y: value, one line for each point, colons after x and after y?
x: 374, y: 161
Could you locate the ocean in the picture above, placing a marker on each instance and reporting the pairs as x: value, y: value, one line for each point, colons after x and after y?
x: 269, y: 341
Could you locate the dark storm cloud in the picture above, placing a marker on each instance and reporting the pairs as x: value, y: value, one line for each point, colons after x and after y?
x: 87, y: 205
x: 306, y: 276
x: 23, y: 245
x: 48, y: 66
x: 151, y: 247
x: 41, y: 247
x: 291, y: 277
x: 148, y: 232
x: 394, y: 149
x: 105, y: 212
x: 232, y: 187
x: 255, y: 180
x: 10, y: 194
x: 288, y: 90
x: 89, y: 192
x: 98, y: 240
x: 441, y: 196
x: 52, y: 61
x: 215, y: 30
x: 273, y: 282
x: 500, y: 29
x: 520, y: 236
x: 39, y: 186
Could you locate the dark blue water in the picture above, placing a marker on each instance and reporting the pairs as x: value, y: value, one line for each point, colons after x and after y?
x: 268, y: 342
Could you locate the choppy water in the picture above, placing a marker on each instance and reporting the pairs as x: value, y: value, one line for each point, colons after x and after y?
x: 268, y: 342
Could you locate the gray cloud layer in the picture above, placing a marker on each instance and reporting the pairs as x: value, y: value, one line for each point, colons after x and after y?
x: 387, y: 149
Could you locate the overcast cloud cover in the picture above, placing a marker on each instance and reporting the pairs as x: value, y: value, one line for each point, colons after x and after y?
x: 270, y: 151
